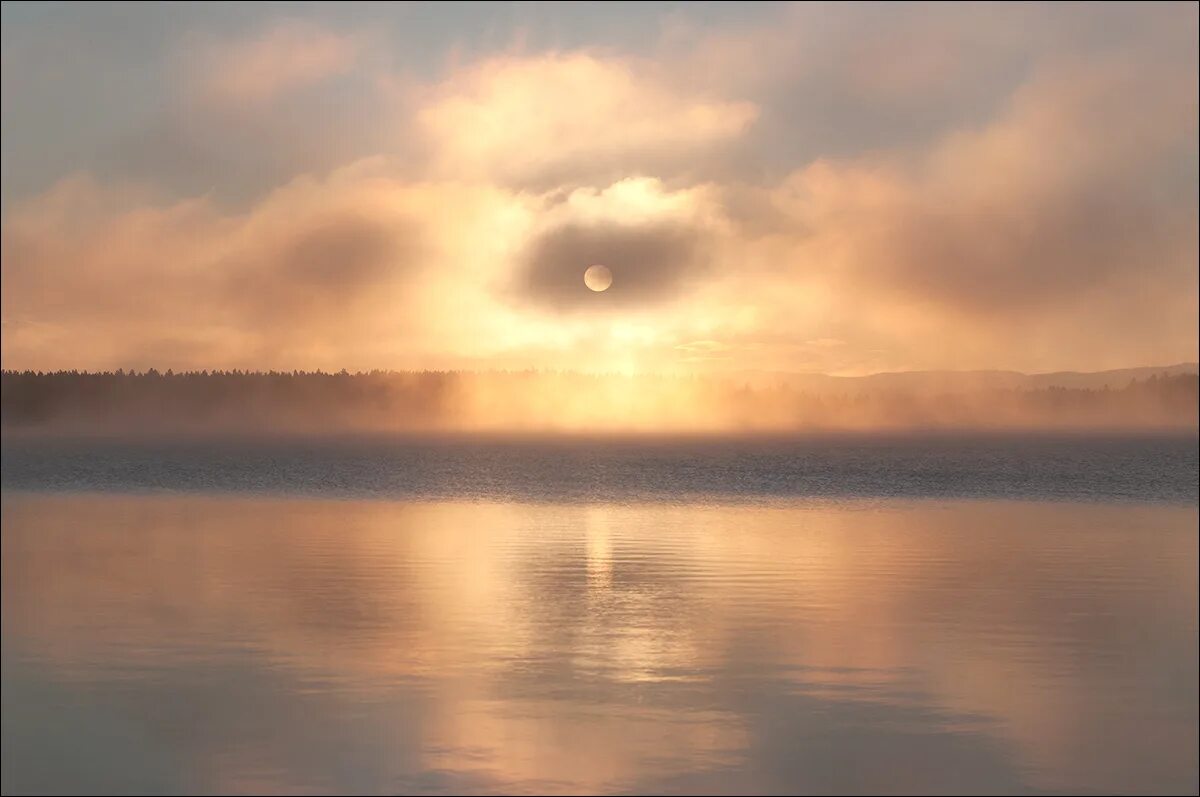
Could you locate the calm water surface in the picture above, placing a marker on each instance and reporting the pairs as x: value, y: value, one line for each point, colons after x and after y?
x: 1159, y: 468
x: 501, y: 636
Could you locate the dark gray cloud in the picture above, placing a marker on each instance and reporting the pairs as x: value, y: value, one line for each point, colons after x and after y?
x: 649, y: 263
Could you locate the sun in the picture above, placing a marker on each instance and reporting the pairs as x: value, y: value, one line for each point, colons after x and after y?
x: 597, y: 278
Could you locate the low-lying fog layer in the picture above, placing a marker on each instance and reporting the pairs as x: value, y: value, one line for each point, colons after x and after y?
x: 575, y: 402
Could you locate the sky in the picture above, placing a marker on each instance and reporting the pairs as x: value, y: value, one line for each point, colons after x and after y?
x: 837, y: 188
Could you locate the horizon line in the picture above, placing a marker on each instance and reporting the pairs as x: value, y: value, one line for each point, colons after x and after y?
x: 153, y: 371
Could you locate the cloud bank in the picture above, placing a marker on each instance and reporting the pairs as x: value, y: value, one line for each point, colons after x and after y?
x: 978, y: 199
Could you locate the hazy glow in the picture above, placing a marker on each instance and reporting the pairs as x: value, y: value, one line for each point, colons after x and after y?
x: 304, y: 192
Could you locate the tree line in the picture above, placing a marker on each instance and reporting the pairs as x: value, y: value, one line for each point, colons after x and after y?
x: 519, y: 400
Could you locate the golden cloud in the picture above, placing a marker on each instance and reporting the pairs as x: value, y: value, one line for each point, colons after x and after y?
x: 514, y: 118
x: 1059, y: 233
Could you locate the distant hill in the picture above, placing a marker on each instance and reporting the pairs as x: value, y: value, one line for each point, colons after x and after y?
x: 950, y: 382
x: 1119, y: 377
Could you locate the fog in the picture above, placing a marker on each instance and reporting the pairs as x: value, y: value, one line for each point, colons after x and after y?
x: 540, y: 402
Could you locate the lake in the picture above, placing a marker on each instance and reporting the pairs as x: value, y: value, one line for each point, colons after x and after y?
x: 850, y: 614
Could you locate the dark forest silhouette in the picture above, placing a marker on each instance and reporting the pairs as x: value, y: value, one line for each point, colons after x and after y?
x: 534, y: 400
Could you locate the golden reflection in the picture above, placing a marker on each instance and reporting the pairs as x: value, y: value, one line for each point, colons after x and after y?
x: 562, y: 648
x: 599, y: 550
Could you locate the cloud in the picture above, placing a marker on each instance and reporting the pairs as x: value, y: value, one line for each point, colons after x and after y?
x: 648, y: 262
x: 1063, y: 221
x: 248, y: 115
x: 289, y: 55
x: 703, y: 346
x: 1063, y: 191
x: 318, y: 270
x: 659, y: 245
x: 528, y: 118
x: 984, y: 192
x: 324, y: 279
